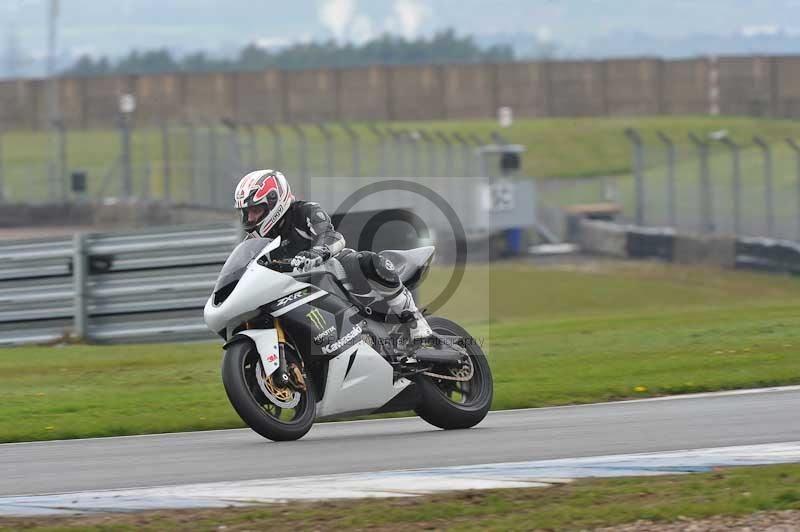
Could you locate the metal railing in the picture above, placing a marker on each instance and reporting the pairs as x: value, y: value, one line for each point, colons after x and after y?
x: 716, y: 185
x: 152, y: 285
x: 146, y: 286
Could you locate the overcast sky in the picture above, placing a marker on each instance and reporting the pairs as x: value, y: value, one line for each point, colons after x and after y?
x: 115, y: 26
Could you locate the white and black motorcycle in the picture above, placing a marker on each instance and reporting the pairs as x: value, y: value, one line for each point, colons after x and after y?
x: 299, y: 347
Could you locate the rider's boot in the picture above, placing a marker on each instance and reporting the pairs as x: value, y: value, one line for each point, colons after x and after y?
x: 402, y: 304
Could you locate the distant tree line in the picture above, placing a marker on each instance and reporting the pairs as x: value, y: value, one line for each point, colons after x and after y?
x: 443, y: 47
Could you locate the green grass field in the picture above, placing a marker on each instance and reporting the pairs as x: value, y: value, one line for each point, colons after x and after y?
x: 589, y: 332
x: 585, y: 504
x: 559, y: 147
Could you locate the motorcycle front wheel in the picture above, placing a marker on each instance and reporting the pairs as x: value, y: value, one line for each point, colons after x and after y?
x: 276, y: 413
x: 451, y: 404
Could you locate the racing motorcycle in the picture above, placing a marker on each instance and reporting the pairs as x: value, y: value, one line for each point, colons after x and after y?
x: 299, y: 347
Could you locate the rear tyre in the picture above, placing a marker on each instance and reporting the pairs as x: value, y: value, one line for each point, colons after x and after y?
x: 451, y: 404
x: 241, y: 372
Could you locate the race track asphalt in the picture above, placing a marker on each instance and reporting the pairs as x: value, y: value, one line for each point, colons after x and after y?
x: 688, y: 422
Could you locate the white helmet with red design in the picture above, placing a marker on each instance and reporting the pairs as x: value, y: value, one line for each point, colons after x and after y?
x: 262, y: 197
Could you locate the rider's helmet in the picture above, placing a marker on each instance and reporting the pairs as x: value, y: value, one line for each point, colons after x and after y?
x: 262, y: 197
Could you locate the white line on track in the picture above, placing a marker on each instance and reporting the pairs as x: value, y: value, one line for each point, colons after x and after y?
x: 401, y: 483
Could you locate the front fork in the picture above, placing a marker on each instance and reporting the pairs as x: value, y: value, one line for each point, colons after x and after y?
x: 281, y: 375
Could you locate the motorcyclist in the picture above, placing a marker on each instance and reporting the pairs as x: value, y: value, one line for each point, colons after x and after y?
x: 268, y: 209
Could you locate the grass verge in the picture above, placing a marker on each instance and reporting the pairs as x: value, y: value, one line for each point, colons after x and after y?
x: 576, y: 506
x: 588, y: 333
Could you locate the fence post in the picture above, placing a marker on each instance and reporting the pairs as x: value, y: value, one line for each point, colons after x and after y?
x: 2, y: 175
x: 303, y: 159
x: 80, y: 284
x: 148, y: 170
x: 796, y: 147
x: 355, y: 148
x: 705, y: 199
x: 397, y: 139
x: 252, y: 147
x: 381, y: 148
x: 672, y: 208
x: 234, y: 145
x: 638, y: 172
x: 127, y: 170
x: 768, y: 199
x: 233, y: 168
x: 277, y: 147
x: 192, y: 149
x: 430, y: 150
x: 737, y: 183
x: 330, y: 163
x: 213, y: 183
x: 449, y: 163
x: 479, y: 154
x: 165, y: 160
x: 466, y: 154
x: 413, y: 138
x: 62, y: 157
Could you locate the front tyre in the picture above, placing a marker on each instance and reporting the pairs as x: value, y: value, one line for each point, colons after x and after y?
x: 449, y: 404
x: 278, y: 414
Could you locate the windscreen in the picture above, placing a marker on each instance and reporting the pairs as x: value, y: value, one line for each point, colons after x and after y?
x: 237, y: 262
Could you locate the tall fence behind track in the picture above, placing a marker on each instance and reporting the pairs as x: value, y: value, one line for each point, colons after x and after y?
x: 717, y: 184
x: 200, y: 162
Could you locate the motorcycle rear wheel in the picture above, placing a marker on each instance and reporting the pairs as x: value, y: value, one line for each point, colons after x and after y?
x: 452, y: 404
x: 241, y: 371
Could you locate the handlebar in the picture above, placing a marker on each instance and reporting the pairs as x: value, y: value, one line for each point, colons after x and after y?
x: 282, y: 266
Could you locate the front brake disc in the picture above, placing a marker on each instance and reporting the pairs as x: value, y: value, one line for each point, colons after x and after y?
x: 283, y: 397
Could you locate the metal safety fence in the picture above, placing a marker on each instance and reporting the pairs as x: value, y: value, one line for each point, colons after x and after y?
x: 146, y: 286
x: 152, y: 285
x: 714, y: 185
x: 195, y: 162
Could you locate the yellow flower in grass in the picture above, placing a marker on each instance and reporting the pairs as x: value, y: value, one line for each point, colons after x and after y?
x: 640, y: 389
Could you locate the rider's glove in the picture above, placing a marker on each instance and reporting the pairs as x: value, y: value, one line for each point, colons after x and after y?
x: 308, y: 260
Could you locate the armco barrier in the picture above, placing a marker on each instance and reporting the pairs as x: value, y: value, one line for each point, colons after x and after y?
x: 145, y: 286
x: 768, y: 254
x: 649, y: 242
x: 709, y: 250
x: 606, y: 238
x: 141, y: 286
x: 602, y: 238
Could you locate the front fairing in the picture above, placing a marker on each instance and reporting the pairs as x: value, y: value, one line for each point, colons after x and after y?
x: 237, y: 261
x: 256, y: 286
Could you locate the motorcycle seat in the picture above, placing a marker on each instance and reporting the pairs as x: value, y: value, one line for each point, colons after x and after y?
x: 410, y: 264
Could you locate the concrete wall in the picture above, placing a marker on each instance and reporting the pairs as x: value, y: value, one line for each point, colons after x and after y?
x: 756, y: 86
x: 786, y: 86
x: 685, y: 87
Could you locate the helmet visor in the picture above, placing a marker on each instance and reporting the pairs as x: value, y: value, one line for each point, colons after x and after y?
x: 252, y: 216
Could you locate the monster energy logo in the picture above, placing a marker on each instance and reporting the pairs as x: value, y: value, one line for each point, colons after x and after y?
x: 316, y: 318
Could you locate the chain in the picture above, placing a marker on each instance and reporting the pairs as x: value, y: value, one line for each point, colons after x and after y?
x: 462, y: 374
